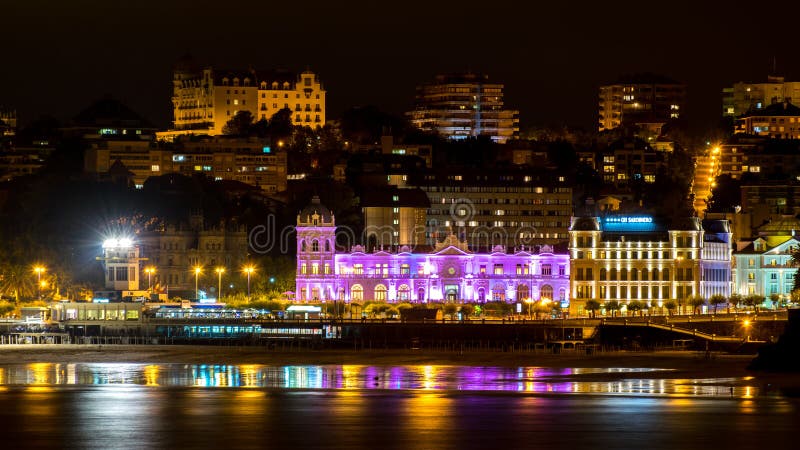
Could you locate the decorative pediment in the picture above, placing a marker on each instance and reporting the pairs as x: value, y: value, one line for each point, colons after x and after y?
x: 451, y: 244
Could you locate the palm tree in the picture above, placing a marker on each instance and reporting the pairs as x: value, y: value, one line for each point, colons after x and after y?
x: 16, y: 281
x: 716, y: 300
x: 592, y: 306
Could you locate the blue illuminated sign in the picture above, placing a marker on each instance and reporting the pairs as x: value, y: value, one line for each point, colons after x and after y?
x: 629, y: 219
x: 266, y: 150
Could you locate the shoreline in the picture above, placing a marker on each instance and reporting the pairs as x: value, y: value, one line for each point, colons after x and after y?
x: 726, y: 369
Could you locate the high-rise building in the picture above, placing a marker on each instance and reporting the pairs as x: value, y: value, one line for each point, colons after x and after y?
x: 743, y: 97
x: 486, y: 208
x: 644, y: 100
x: 458, y: 106
x: 205, y: 99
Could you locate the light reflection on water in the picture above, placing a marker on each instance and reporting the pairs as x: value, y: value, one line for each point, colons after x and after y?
x: 540, y: 380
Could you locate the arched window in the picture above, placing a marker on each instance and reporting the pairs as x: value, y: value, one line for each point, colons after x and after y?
x: 644, y: 275
x: 665, y: 274
x: 481, y: 295
x: 403, y: 293
x: 356, y: 293
x: 523, y: 293
x: 634, y: 274
x: 623, y: 274
x: 613, y: 274
x: 655, y: 274
x: 421, y: 295
x: 303, y: 246
x: 547, y: 292
x: 315, y: 245
x: 603, y: 274
x: 562, y: 294
x: 327, y: 246
x: 499, y: 293
x: 380, y: 293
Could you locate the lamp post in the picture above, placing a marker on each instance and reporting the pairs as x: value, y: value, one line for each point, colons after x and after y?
x: 39, y: 270
x: 197, y: 271
x: 249, y: 271
x: 150, y: 270
x: 220, y: 271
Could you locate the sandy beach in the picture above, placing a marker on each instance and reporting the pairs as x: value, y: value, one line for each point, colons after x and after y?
x: 679, y: 361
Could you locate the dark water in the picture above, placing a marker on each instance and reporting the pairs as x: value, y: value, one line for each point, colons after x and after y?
x: 249, y: 406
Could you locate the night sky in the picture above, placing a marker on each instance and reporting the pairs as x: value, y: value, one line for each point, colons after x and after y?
x: 59, y: 56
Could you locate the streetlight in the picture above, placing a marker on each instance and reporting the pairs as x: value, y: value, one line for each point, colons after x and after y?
x: 249, y: 271
x: 220, y: 271
x: 197, y: 271
x: 149, y: 270
x: 39, y: 270
x: 529, y: 301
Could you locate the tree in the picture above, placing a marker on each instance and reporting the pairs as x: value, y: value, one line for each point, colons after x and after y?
x: 613, y: 306
x: 696, y: 302
x: 670, y: 305
x: 654, y: 305
x: 17, y: 282
x: 753, y: 301
x: 592, y: 306
x: 775, y: 298
x: 795, y: 296
x: 735, y: 300
x: 716, y: 300
x: 239, y: 124
x: 635, y: 306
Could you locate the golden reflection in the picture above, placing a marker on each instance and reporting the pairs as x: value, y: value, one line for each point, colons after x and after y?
x: 39, y: 389
x: 41, y: 373
x: 747, y: 407
x: 748, y: 392
x: 427, y: 413
x: 350, y: 376
x: 429, y: 374
x: 151, y: 375
x: 248, y: 375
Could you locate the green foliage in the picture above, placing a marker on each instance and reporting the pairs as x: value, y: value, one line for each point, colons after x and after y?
x: 613, y: 306
x: 696, y: 301
x: 381, y: 309
x: 239, y: 124
x: 635, y: 306
x: 497, y: 309
x: 670, y: 305
x: 716, y: 300
x: 6, y: 308
x: 592, y: 306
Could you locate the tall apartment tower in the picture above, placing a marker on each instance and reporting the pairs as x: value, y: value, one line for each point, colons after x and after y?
x: 458, y: 106
x: 645, y: 100
x: 204, y: 99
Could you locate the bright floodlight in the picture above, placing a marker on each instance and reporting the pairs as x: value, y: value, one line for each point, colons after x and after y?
x: 125, y: 242
x: 110, y: 243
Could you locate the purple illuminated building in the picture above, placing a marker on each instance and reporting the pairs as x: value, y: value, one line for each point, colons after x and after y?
x: 450, y: 272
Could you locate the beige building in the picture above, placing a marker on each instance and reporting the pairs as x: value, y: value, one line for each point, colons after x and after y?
x: 248, y: 160
x: 626, y: 258
x: 644, y: 100
x: 175, y: 250
x: 204, y: 100
x: 743, y: 97
x: 394, y: 217
x: 458, y: 106
x: 777, y: 121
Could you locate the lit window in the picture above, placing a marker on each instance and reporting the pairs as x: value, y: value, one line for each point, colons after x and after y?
x: 155, y: 168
